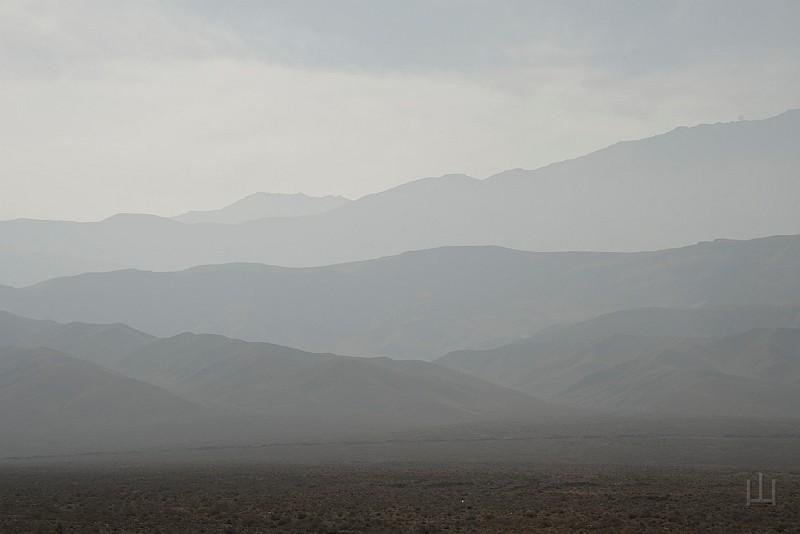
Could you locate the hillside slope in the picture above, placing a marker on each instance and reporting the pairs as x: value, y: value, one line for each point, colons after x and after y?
x: 51, y: 403
x: 647, y: 362
x: 754, y: 374
x: 287, y: 392
x: 325, y: 391
x: 560, y: 356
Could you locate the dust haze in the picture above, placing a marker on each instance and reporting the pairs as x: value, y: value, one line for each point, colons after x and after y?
x: 398, y: 267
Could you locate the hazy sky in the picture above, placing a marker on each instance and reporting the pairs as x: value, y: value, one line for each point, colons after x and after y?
x: 165, y: 106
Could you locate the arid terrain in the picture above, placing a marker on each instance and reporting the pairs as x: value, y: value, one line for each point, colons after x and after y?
x: 420, y: 266
x: 388, y: 498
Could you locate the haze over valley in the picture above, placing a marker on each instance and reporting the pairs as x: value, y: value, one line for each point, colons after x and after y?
x: 700, y: 330
x: 420, y: 266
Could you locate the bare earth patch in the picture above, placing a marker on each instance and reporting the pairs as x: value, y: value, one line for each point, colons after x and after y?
x: 387, y: 498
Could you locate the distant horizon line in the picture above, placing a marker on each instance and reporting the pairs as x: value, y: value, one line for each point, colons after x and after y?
x: 424, y: 178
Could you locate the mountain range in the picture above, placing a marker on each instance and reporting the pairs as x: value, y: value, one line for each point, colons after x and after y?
x: 68, y: 387
x: 701, y: 362
x: 264, y: 205
x: 735, y: 180
x: 420, y: 304
x: 753, y: 374
x: 289, y: 317
x: 80, y: 387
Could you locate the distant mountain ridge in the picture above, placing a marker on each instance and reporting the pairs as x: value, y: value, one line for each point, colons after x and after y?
x: 421, y: 304
x: 98, y: 343
x: 265, y: 205
x: 735, y: 180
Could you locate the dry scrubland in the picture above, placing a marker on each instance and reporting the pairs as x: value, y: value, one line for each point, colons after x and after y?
x: 387, y: 498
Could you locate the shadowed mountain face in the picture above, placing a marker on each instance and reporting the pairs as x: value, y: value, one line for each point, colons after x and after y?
x: 755, y: 374
x: 421, y: 304
x: 99, y: 343
x: 324, y: 390
x: 736, y: 180
x: 205, y: 389
x: 658, y: 362
x: 265, y: 205
x: 560, y: 356
x: 51, y: 402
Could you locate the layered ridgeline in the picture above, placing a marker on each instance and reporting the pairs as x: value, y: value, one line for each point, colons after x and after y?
x: 85, y: 387
x: 735, y: 180
x: 421, y: 304
x: 731, y: 362
x: 265, y: 205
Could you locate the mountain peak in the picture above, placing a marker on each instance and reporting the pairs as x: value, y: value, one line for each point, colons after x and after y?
x: 263, y: 205
x: 136, y: 218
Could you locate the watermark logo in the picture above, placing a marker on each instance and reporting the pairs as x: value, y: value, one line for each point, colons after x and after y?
x: 760, y: 499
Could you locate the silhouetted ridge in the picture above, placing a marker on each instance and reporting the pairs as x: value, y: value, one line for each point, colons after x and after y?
x: 421, y: 304
x: 654, y: 193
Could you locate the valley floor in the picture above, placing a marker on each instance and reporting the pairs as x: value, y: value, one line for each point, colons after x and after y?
x: 410, y: 497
